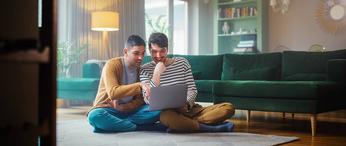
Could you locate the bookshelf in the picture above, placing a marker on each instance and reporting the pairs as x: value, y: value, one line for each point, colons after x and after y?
x: 238, y: 19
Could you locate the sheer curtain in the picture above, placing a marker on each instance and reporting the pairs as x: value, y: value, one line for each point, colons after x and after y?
x: 74, y: 28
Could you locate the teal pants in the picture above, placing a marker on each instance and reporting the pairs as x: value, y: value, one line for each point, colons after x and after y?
x: 110, y: 120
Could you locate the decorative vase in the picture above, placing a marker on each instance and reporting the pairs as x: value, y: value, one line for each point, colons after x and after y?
x: 225, y: 28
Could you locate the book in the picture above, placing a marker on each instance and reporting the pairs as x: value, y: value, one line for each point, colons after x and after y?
x: 243, y: 50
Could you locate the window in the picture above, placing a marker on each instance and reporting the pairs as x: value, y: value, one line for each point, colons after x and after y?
x: 160, y: 15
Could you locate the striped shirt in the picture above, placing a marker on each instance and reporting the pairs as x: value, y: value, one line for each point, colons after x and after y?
x: 179, y: 72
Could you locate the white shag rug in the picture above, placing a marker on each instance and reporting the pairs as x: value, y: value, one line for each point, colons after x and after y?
x: 79, y: 133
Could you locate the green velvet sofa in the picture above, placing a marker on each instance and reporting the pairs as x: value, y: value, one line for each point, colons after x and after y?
x: 83, y: 88
x: 291, y: 81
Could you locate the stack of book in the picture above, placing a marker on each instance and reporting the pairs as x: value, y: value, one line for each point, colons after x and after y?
x: 234, y: 12
x: 247, y: 44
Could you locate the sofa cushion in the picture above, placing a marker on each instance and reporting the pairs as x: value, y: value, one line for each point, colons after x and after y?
x: 146, y: 59
x: 336, y: 70
x: 278, y: 89
x: 87, y: 95
x: 306, y: 77
x: 77, y: 88
x: 265, y: 66
x: 205, y: 85
x: 91, y: 70
x: 265, y: 73
x: 205, y: 97
x: 210, y: 66
x: 205, y: 90
x: 196, y: 75
x: 301, y: 65
x: 78, y: 83
x: 271, y: 104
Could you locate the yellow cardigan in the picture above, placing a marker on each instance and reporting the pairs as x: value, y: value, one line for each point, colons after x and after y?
x: 110, y: 88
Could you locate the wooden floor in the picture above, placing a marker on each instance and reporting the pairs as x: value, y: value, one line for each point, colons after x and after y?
x: 331, y: 127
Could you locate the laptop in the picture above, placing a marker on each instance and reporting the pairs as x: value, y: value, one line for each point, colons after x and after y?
x: 167, y: 97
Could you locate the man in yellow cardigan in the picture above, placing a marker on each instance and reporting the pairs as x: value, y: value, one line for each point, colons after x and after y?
x: 119, y: 105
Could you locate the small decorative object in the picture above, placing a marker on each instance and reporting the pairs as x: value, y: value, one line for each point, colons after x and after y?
x: 240, y: 31
x: 280, y: 5
x: 245, y: 31
x: 317, y: 48
x: 337, y: 12
x: 253, y: 30
x: 225, y: 28
x: 331, y: 15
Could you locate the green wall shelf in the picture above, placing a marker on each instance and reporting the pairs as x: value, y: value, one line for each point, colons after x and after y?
x: 242, y: 18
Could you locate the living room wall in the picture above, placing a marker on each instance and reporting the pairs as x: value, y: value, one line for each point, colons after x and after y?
x: 298, y: 29
x: 200, y: 26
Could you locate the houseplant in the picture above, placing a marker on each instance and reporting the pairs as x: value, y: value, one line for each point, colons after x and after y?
x: 68, y: 55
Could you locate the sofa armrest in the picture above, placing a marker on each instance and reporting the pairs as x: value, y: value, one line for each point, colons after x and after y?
x: 91, y: 70
x: 336, y: 70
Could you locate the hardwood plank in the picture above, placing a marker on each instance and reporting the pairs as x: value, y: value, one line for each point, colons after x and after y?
x: 331, y: 127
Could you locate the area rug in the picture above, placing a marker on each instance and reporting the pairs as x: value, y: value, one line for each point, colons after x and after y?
x: 79, y: 133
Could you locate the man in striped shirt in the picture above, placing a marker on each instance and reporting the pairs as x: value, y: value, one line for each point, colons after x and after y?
x: 164, y: 71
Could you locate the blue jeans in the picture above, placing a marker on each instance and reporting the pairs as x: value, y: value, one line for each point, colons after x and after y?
x: 110, y: 120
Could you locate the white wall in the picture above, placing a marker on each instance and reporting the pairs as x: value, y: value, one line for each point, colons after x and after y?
x: 193, y: 25
x: 298, y: 29
x: 206, y: 27
x: 200, y: 28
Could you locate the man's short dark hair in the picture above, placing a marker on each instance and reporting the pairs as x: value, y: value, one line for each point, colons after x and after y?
x: 158, y: 38
x: 134, y: 40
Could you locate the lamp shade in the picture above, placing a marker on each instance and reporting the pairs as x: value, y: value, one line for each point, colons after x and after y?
x: 104, y: 21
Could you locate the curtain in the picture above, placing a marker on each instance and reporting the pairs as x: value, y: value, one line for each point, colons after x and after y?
x: 74, y: 29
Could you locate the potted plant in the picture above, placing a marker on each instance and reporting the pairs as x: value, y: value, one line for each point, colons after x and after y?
x: 68, y: 55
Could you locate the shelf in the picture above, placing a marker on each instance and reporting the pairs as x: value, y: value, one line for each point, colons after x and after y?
x: 26, y: 56
x: 237, y: 3
x: 251, y: 21
x: 241, y: 34
x: 240, y: 18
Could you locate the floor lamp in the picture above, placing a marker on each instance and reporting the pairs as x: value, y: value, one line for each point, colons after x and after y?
x: 105, y: 21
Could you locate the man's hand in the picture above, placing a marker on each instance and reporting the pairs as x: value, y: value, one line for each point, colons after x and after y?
x: 129, y: 106
x: 113, y: 103
x: 146, y: 89
x: 159, y: 68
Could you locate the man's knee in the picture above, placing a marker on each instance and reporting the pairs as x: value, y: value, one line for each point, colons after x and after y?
x: 154, y: 113
x: 228, y: 108
x: 103, y: 122
x: 147, y: 117
x: 176, y: 121
x: 96, y: 115
x: 170, y: 118
x: 217, y: 113
x: 167, y: 116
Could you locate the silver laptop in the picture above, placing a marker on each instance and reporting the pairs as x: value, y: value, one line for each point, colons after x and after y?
x: 168, y: 97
